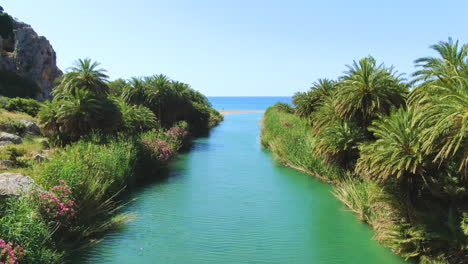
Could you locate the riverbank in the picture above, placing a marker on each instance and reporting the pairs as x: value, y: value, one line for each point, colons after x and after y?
x: 93, y: 143
x: 292, y: 141
x: 226, y: 202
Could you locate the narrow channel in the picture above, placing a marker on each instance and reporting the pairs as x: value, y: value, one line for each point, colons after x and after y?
x: 226, y: 201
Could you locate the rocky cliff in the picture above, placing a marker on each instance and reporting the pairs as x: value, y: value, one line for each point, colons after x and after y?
x: 30, y: 56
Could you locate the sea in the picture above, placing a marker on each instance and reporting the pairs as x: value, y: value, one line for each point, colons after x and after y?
x: 247, y: 102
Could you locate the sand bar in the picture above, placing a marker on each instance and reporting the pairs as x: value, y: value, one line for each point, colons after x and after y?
x: 227, y: 112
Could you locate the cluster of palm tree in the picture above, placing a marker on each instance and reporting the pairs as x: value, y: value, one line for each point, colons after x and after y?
x: 411, y: 137
x: 85, y: 101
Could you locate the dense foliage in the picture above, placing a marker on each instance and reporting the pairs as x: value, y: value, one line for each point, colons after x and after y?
x: 28, y: 106
x: 105, y: 140
x: 85, y: 101
x: 400, y: 156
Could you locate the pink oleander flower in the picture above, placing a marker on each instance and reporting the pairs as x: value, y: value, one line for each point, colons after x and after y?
x: 57, y: 205
x: 10, y: 254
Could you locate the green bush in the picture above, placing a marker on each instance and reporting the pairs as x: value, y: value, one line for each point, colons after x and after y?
x: 28, y: 106
x: 283, y: 107
x: 291, y: 140
x: 19, y: 225
x: 15, y: 154
x: 12, y: 126
x: 96, y: 173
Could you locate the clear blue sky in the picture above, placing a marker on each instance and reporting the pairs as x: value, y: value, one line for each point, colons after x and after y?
x: 242, y: 47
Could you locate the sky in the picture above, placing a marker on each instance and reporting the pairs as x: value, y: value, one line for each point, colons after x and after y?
x: 242, y: 47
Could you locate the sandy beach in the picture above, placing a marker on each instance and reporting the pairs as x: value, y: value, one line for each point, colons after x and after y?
x: 227, y: 112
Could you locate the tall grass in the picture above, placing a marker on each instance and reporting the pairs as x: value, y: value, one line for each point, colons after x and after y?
x: 97, y: 173
x: 291, y: 140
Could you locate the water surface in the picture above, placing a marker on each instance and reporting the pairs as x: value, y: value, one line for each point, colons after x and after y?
x: 227, y: 202
x: 246, y: 102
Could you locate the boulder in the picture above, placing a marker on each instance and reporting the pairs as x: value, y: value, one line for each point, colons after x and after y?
x: 10, y: 137
x: 15, y: 184
x: 39, y: 158
x: 4, y: 143
x: 30, y: 128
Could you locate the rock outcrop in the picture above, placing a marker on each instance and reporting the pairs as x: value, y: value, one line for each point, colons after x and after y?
x: 5, y: 137
x: 15, y: 184
x: 30, y: 128
x: 32, y: 57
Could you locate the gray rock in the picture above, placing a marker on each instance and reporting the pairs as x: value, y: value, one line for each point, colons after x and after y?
x: 15, y: 184
x: 10, y: 137
x: 7, y: 163
x: 4, y: 143
x: 39, y: 158
x: 30, y: 128
x: 33, y: 58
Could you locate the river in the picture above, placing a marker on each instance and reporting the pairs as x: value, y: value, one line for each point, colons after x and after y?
x: 226, y: 201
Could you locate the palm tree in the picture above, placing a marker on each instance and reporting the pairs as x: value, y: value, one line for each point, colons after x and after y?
x: 444, y: 115
x: 397, y: 152
x: 159, y: 92
x: 136, y: 118
x: 338, y: 143
x: 84, y: 74
x: 135, y: 91
x: 67, y: 119
x: 452, y: 62
x: 307, y: 102
x: 325, y: 115
x: 441, y: 100
x: 368, y: 89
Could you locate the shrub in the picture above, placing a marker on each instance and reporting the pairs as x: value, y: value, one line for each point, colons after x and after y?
x: 57, y: 207
x: 14, y: 154
x: 294, y: 145
x: 10, y: 254
x: 3, y: 101
x: 96, y: 172
x: 283, y: 107
x: 19, y: 226
x: 136, y: 118
x: 28, y: 106
x: 159, y: 149
x: 12, y: 126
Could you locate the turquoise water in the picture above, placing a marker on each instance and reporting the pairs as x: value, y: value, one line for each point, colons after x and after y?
x: 227, y: 202
x: 246, y: 103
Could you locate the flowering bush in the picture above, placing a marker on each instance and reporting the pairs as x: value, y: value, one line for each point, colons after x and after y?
x: 10, y: 254
x: 160, y: 149
x: 57, y: 205
x: 178, y: 132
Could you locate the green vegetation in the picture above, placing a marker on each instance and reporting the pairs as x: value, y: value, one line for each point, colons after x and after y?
x: 84, y: 103
x: 398, y: 158
x: 105, y: 139
x: 28, y: 106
